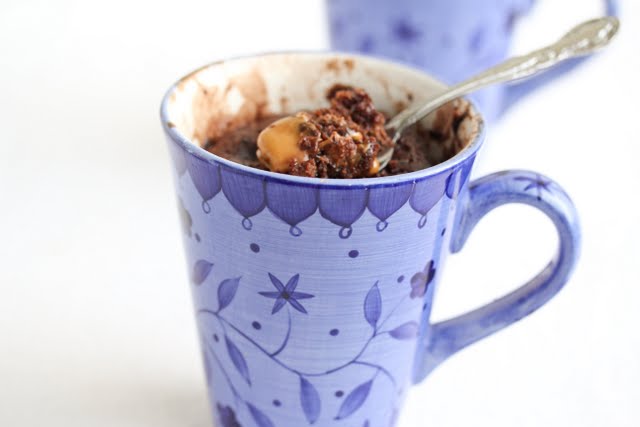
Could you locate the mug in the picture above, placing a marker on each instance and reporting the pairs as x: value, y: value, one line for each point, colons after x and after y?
x: 313, y: 296
x: 452, y: 39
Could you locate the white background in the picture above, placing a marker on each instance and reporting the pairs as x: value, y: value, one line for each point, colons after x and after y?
x: 96, y: 326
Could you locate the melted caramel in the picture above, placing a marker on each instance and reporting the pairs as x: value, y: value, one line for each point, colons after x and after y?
x: 278, y: 144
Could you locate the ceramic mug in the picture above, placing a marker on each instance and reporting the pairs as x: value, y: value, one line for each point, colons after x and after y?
x: 313, y: 296
x: 452, y: 39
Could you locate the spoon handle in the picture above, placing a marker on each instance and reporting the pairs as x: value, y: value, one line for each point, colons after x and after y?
x: 582, y: 40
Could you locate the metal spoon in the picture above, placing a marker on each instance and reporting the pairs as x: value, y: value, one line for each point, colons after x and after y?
x: 582, y: 40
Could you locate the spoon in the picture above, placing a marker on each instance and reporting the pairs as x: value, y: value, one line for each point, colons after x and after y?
x: 582, y: 40
x: 278, y: 143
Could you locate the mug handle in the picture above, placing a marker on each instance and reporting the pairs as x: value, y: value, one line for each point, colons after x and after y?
x: 517, y: 91
x: 485, y: 194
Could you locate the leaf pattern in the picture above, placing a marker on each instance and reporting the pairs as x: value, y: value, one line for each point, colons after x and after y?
x: 259, y: 417
x: 406, y: 331
x: 373, y: 306
x: 227, y: 416
x: 311, y: 403
x: 310, y: 400
x: 354, y: 400
x: 226, y: 292
x: 238, y: 359
x: 201, y: 270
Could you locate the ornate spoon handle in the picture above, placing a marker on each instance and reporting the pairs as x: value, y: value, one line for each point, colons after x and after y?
x: 581, y: 40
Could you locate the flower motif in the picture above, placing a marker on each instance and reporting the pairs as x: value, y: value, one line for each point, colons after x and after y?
x: 227, y: 416
x: 286, y: 294
x: 404, y: 31
x: 539, y: 183
x: 420, y: 281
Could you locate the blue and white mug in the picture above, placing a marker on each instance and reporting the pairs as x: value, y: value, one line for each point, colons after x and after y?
x: 451, y: 39
x: 313, y: 296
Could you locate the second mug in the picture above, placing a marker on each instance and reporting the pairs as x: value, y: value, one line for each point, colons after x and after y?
x: 452, y: 39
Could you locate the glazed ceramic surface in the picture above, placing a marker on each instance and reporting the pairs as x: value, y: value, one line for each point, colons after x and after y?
x: 313, y: 297
x: 451, y: 39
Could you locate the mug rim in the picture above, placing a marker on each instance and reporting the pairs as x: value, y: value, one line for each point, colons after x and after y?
x: 193, y: 149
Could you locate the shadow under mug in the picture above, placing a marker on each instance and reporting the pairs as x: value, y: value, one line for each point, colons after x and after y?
x: 313, y: 297
x: 452, y: 39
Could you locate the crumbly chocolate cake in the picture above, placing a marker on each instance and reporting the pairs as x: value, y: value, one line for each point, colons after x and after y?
x: 343, y: 140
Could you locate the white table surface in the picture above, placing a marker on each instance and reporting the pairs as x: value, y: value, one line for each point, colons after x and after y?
x: 96, y: 327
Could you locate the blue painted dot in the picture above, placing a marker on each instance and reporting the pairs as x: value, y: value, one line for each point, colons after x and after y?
x: 444, y: 230
x: 334, y: 332
x: 197, y: 236
x: 354, y: 253
x: 254, y: 247
x: 339, y: 393
x: 215, y: 337
x: 400, y: 279
x: 256, y: 325
x: 276, y: 402
x: 424, y: 307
